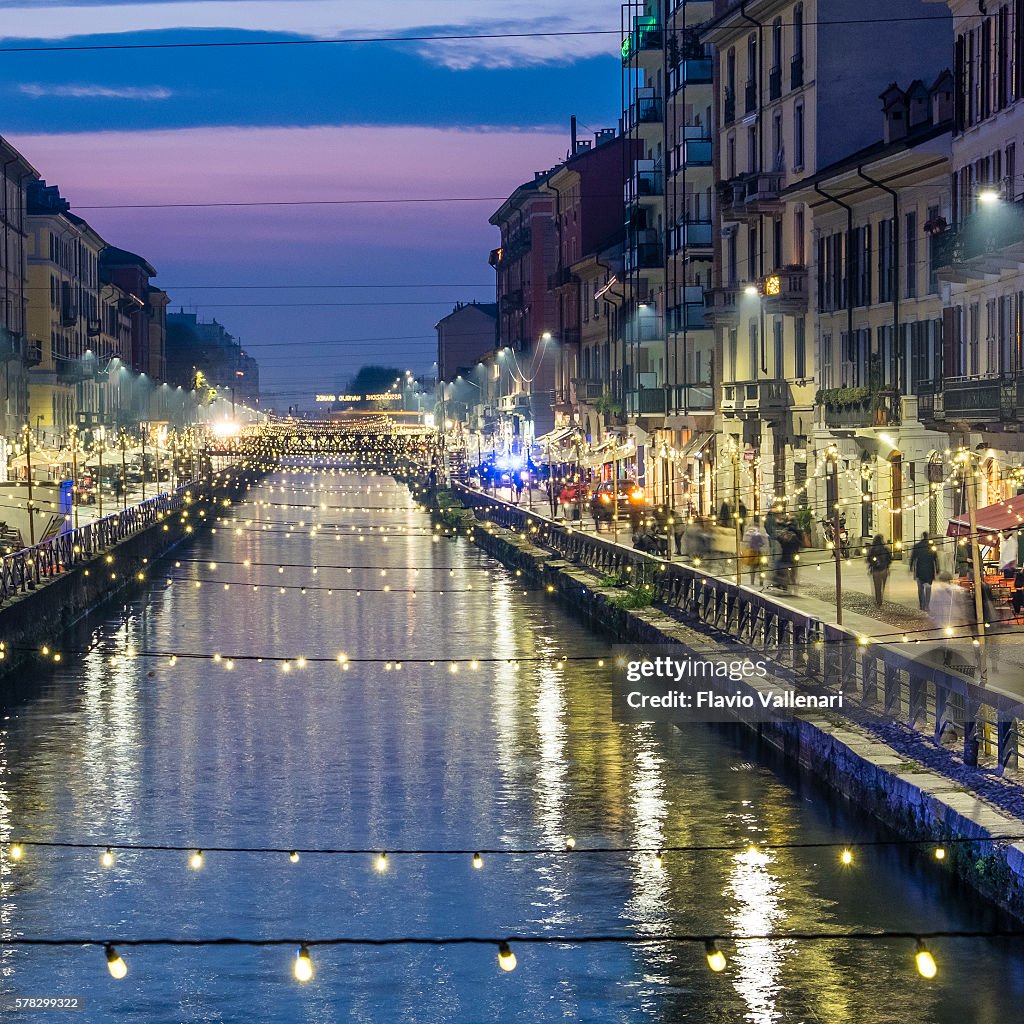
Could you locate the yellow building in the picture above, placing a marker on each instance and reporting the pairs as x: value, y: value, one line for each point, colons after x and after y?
x: 63, y: 311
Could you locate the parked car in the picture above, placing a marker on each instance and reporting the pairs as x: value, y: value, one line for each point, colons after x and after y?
x: 629, y: 497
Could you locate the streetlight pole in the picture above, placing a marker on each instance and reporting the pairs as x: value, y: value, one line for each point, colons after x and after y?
x: 736, y: 505
x: 73, y: 431
x: 28, y: 466
x: 832, y: 491
x: 124, y: 469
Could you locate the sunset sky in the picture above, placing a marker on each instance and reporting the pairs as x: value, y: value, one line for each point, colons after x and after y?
x: 456, y: 120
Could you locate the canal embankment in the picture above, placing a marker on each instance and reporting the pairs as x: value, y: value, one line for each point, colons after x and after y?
x: 47, y: 588
x: 969, y: 812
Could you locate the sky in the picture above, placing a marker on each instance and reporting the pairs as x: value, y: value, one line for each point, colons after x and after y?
x: 130, y: 135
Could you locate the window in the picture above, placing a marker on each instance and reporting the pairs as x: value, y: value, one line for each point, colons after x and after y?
x: 733, y: 260
x: 798, y: 31
x: 798, y: 235
x: 752, y: 253
x: 752, y: 161
x: 798, y: 136
x: 777, y: 152
x: 911, y: 241
x: 776, y: 244
x: 730, y: 155
x: 780, y: 353
x: 799, y: 347
x: 777, y: 43
x: 825, y: 360
x: 886, y: 260
x: 731, y: 354
x: 973, y: 340
x: 730, y: 71
x: 753, y: 344
x: 1011, y: 191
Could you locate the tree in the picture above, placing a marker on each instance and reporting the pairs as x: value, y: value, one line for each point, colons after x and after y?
x: 374, y: 380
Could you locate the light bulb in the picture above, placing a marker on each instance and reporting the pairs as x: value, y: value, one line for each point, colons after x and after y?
x: 303, y: 965
x: 846, y: 857
x: 293, y: 857
x: 196, y: 861
x: 117, y: 967
x: 926, y: 965
x: 716, y: 958
x: 570, y: 843
x: 381, y: 864
x: 658, y: 858
x: 506, y: 958
x: 940, y: 853
x: 16, y: 851
x: 478, y: 861
x: 107, y: 858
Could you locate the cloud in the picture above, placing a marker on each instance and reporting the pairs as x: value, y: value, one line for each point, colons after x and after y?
x: 38, y: 90
x: 327, y: 19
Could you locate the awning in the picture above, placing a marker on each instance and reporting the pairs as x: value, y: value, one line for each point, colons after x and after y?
x: 700, y: 440
x: 1004, y: 515
x: 553, y: 437
x: 608, y: 451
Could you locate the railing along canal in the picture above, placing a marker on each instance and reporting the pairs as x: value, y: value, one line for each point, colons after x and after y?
x: 885, y: 679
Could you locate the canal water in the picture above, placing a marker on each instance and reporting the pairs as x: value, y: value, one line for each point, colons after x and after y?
x: 120, y: 745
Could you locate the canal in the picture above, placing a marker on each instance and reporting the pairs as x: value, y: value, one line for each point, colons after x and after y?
x: 122, y: 744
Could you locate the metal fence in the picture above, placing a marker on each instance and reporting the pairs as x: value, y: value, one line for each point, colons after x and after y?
x: 26, y: 569
x: 881, y: 680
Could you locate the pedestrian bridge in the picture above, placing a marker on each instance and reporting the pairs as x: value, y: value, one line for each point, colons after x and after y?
x: 363, y: 443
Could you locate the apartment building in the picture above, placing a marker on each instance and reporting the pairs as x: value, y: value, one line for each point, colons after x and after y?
x: 976, y: 394
x: 662, y: 367
x: 63, y: 314
x: 523, y: 263
x: 797, y: 91
x: 878, y: 320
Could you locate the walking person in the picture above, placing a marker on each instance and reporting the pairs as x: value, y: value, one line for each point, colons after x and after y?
x: 924, y: 565
x: 755, y: 545
x: 788, y: 539
x: 879, y: 559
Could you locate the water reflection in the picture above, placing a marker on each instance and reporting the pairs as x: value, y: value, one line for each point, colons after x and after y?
x: 137, y: 749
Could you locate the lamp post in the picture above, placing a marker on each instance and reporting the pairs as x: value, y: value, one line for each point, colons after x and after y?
x: 100, y: 437
x: 124, y: 469
x: 832, y: 494
x: 73, y: 433
x: 28, y: 467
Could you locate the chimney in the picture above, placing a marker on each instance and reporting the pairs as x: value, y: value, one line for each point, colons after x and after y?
x: 942, y: 98
x: 894, y: 109
x: 919, y: 105
x: 572, y: 134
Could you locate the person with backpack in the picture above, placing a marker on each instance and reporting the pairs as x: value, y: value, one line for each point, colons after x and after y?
x: 879, y: 559
x: 924, y: 566
x: 788, y: 539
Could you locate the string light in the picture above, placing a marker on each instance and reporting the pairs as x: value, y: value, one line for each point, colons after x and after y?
x: 846, y: 857
x: 381, y: 863
x: 115, y: 964
x: 926, y: 965
x: 293, y: 857
x: 16, y: 852
x: 196, y: 862
x: 107, y: 858
x: 715, y: 957
x: 303, y: 965
x: 478, y: 861
x: 506, y: 958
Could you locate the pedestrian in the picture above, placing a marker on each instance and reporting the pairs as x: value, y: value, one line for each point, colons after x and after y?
x: 742, y: 511
x: 771, y: 528
x: 789, y: 554
x: 725, y: 515
x: 924, y: 565
x: 677, y: 527
x: 755, y: 544
x: 879, y: 559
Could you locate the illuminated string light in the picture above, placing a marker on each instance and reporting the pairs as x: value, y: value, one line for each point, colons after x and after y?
x: 107, y: 858
x: 715, y: 957
x: 381, y: 863
x: 303, y: 968
x: 926, y: 965
x: 478, y: 861
x: 115, y: 964
x: 506, y: 958
x: 196, y: 861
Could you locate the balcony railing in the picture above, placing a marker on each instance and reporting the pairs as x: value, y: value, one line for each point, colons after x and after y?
x: 645, y: 256
x: 646, y: 35
x: 878, y: 410
x: 974, y: 400
x: 774, y: 83
x: 785, y: 291
x: 687, y: 316
x: 690, y: 237
x: 980, y: 238
x: 647, y: 183
x: 751, y: 195
x: 796, y: 71
x: 512, y: 302
x: 694, y: 398
x: 721, y: 305
x: 589, y: 390
x: 647, y: 402
x: 33, y: 353
x: 750, y: 96
x: 647, y: 110
x: 756, y: 397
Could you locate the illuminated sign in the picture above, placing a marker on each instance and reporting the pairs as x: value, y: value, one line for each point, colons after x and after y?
x: 773, y: 285
x: 387, y: 396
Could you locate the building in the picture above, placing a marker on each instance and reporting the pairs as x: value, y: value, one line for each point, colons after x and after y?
x: 878, y: 316
x: 589, y: 235
x: 16, y: 351
x: 63, y: 312
x: 523, y: 263
x: 206, y: 347
x: 133, y: 275
x: 464, y: 336
x: 976, y: 394
x: 796, y: 93
x: 663, y: 367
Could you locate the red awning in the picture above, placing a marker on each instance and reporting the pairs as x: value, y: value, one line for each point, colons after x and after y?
x: 1004, y: 515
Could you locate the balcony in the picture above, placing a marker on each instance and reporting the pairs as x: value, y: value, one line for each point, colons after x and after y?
x: 647, y: 402
x: 750, y: 97
x: 694, y: 398
x: 589, y: 390
x: 646, y: 35
x: 785, y: 291
x: 722, y: 305
x: 643, y: 328
x: 561, y: 277
x: 512, y: 302
x: 645, y: 256
x: 974, y: 401
x: 749, y: 196
x: 647, y: 180
x: 688, y: 316
x: 695, y: 153
x: 694, y: 71
x: 729, y: 111
x: 646, y: 110
x: 774, y: 83
x: 74, y: 371
x: 33, y: 353
x: 988, y: 242
x: 756, y: 397
x: 796, y: 71
x: 518, y: 403
x: 847, y: 408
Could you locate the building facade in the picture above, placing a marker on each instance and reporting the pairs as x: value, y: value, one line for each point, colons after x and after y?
x: 795, y: 94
